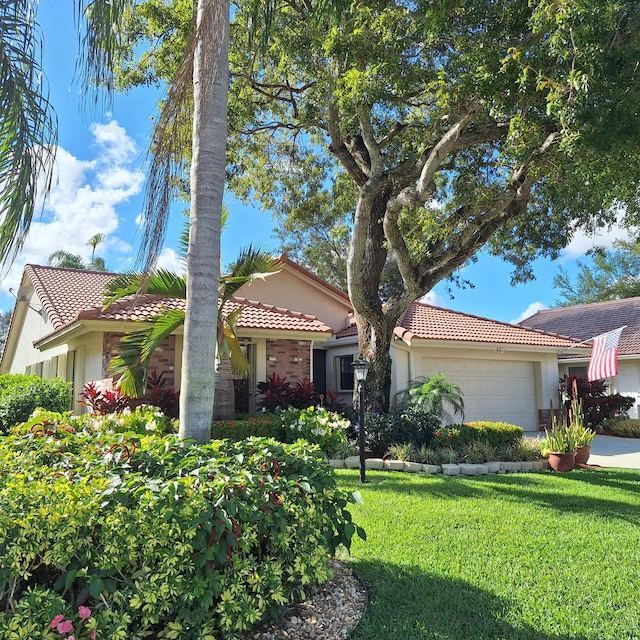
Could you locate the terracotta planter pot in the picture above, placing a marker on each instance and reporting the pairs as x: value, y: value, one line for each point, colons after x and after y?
x: 562, y: 462
x: 582, y: 454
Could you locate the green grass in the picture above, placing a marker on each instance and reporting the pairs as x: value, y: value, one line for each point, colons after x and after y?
x: 502, y: 557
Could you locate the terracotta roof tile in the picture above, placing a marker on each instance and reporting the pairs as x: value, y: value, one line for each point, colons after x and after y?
x: 586, y: 321
x: 434, y: 323
x: 64, y: 292
x: 73, y: 294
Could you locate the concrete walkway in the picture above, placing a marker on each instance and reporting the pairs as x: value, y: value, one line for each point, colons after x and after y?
x: 612, y: 451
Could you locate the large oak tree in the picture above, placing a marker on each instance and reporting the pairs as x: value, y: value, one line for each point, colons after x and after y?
x: 431, y: 130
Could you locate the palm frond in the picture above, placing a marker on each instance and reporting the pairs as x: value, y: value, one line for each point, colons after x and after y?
x: 253, y: 263
x: 135, y: 350
x: 239, y: 363
x: 160, y: 282
x: 100, y: 44
x: 28, y: 126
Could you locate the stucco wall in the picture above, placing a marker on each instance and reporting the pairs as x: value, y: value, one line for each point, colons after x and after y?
x: 32, y: 327
x: 284, y: 289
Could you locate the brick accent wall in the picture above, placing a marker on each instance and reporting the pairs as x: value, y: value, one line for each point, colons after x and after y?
x: 290, y: 358
x: 163, y: 360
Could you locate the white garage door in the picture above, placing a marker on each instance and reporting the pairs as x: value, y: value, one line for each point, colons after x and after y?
x: 494, y: 390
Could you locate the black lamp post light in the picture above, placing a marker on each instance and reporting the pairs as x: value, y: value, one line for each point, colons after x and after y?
x: 360, y: 370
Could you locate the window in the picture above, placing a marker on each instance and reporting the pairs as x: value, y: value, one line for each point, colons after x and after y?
x: 578, y: 371
x: 346, y: 373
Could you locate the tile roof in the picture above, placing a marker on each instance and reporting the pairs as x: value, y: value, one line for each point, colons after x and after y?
x: 589, y: 320
x: 64, y: 292
x: 434, y: 323
x: 73, y: 294
x: 427, y: 322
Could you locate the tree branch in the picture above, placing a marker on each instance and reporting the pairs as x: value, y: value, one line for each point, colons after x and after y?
x: 340, y: 150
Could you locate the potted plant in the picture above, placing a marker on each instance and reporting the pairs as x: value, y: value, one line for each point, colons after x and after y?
x: 560, y: 447
x: 583, y: 435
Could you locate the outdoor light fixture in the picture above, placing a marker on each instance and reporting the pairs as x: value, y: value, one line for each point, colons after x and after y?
x: 360, y: 371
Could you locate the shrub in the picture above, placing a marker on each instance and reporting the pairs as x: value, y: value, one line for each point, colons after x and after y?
x: 269, y: 426
x: 596, y: 406
x: 278, y: 394
x: 316, y: 425
x: 21, y: 394
x: 409, y: 424
x: 493, y: 433
x: 627, y: 428
x: 158, y: 538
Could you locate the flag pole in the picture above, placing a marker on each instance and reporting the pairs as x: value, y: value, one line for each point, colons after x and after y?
x: 577, y: 344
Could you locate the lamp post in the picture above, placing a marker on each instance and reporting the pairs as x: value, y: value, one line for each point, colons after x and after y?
x: 360, y: 370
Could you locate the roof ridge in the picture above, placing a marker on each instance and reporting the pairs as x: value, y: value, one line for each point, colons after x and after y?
x: 499, y: 322
x: 586, y: 304
x: 271, y: 307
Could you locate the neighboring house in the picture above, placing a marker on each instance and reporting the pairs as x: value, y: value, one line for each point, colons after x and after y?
x: 507, y: 373
x: 586, y: 321
x: 302, y: 327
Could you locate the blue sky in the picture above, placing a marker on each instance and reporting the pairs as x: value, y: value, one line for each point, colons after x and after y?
x: 100, y: 181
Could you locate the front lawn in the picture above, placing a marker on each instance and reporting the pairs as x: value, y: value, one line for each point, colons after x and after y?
x: 502, y: 557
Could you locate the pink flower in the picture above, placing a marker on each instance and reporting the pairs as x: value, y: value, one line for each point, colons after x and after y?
x: 93, y: 635
x: 84, y: 612
x: 57, y: 620
x: 70, y: 638
x: 65, y: 626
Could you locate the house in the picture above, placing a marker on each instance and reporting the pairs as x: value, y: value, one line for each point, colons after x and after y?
x: 585, y: 321
x: 297, y: 325
x: 59, y: 329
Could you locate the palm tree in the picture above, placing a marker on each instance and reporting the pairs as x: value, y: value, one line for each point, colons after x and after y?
x: 432, y: 394
x: 135, y: 350
x: 29, y: 135
x: 199, y: 91
x: 62, y: 258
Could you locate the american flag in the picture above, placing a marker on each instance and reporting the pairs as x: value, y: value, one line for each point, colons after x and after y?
x: 604, y: 355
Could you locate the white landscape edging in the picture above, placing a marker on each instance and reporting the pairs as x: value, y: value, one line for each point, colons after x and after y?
x: 464, y: 469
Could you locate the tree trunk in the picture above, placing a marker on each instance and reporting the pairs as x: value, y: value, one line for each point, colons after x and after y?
x: 210, y: 82
x: 366, y: 261
x: 224, y: 406
x: 374, y: 345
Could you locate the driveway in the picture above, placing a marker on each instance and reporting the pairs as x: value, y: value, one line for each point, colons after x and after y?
x: 611, y: 451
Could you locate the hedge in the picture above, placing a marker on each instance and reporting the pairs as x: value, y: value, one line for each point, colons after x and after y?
x: 21, y: 394
x: 131, y: 536
x: 495, y: 434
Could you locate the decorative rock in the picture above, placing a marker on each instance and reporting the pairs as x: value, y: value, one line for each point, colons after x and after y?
x: 492, y: 467
x: 432, y: 468
x: 413, y: 467
x: 394, y: 465
x: 540, y: 464
x: 473, y: 469
x: 450, y: 469
x: 336, y: 464
x: 510, y: 466
x: 352, y: 462
x: 374, y: 463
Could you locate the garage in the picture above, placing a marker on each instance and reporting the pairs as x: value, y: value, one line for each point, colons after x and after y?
x: 495, y: 390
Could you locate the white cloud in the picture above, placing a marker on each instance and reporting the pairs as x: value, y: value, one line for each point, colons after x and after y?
x: 171, y: 261
x: 83, y: 201
x: 583, y: 242
x: 434, y: 299
x: 114, y: 143
x: 534, y: 307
